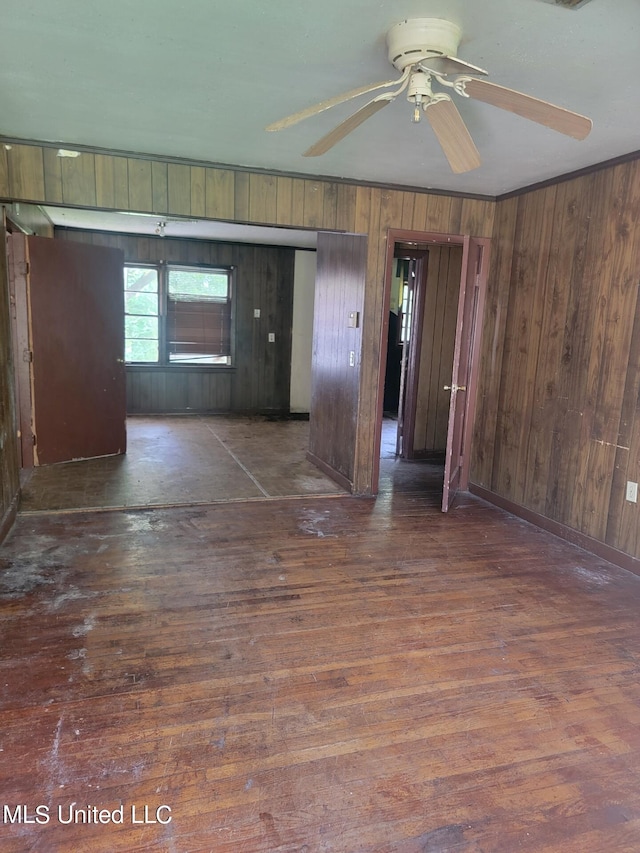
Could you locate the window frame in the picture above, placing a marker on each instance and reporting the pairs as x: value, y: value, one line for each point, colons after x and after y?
x: 164, y: 362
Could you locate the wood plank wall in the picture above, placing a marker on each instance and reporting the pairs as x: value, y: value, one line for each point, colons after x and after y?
x: 9, y: 450
x: 34, y: 173
x: 558, y: 423
x: 557, y: 427
x: 436, y: 353
x: 259, y: 380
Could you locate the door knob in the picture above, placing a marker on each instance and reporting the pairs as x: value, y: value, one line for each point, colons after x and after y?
x: 120, y: 360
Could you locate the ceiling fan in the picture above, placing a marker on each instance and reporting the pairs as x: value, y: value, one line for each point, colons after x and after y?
x: 424, y: 50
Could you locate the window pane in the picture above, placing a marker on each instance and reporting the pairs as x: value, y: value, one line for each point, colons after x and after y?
x: 198, y: 316
x: 199, y: 284
x: 141, y: 327
x: 136, y: 302
x: 141, y: 314
x: 198, y: 330
x: 141, y: 350
x: 140, y: 279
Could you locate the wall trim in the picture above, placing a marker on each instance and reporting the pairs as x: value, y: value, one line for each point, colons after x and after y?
x: 331, y: 472
x: 587, y: 543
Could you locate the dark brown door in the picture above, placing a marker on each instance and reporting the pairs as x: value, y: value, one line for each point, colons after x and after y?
x: 337, y: 345
x: 76, y: 311
x: 465, y: 368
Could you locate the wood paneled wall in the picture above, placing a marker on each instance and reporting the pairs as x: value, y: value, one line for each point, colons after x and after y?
x: 558, y: 423
x: 33, y: 172
x: 436, y: 354
x: 558, y: 427
x: 259, y: 379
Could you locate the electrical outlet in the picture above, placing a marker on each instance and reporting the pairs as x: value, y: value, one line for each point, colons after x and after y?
x: 272, y: 337
x: 352, y: 358
x: 632, y: 492
x: 256, y: 313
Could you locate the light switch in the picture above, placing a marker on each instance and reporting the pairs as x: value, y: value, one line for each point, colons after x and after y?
x: 256, y: 313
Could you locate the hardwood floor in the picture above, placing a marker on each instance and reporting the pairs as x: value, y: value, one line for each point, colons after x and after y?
x: 320, y: 674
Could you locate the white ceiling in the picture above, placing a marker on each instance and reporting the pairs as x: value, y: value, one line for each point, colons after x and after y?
x: 192, y: 229
x: 201, y: 79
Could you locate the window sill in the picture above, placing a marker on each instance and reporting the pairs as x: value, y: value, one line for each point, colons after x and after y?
x: 180, y: 368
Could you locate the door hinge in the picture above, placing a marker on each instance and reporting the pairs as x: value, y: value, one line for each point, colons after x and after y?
x: 23, y: 267
x: 33, y: 436
x: 27, y: 355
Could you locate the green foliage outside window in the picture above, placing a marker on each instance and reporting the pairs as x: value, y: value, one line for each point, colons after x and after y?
x: 199, y: 285
x: 142, y: 342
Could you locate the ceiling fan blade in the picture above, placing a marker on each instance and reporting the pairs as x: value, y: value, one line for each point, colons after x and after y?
x: 344, y: 128
x: 453, y: 136
x: 450, y: 65
x: 330, y: 102
x: 556, y: 118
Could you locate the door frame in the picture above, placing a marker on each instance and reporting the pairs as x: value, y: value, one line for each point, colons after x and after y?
x: 401, y: 235
x: 17, y: 268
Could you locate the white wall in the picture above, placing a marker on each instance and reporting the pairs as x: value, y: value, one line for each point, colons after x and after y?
x: 304, y: 281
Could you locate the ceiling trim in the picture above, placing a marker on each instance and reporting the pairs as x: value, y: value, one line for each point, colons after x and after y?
x: 570, y: 176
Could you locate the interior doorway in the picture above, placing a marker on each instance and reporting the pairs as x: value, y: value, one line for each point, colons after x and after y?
x: 434, y: 296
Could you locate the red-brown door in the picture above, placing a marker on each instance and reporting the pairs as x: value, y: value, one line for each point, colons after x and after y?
x: 410, y: 367
x: 76, y: 336
x: 465, y: 367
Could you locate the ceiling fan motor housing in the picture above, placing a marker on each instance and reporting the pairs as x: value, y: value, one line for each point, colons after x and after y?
x: 417, y: 38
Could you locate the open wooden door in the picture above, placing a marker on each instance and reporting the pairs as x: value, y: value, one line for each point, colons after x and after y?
x: 76, y: 349
x: 412, y: 317
x: 464, y: 377
x: 337, y: 345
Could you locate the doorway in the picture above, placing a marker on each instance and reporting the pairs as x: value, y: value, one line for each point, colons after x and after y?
x: 422, y: 320
x: 434, y: 296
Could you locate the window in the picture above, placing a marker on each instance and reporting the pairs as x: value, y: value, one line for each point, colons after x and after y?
x: 177, y: 315
x: 141, y: 314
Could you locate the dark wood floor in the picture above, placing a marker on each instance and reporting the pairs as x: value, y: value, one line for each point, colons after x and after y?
x: 321, y: 674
